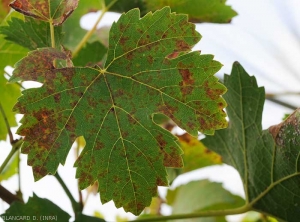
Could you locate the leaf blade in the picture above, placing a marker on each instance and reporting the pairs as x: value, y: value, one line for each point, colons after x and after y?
x: 261, y: 162
x: 125, y: 150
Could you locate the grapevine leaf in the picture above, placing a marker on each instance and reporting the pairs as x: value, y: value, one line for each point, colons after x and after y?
x: 31, y: 33
x: 214, y: 11
x: 9, y: 52
x: 10, y: 169
x: 4, y: 9
x: 84, y: 218
x: 9, y: 95
x: 125, y: 5
x: 90, y: 55
x: 196, y: 155
x: 52, y: 11
x: 35, y: 209
x: 270, y: 169
x: 201, y: 195
x: 125, y: 150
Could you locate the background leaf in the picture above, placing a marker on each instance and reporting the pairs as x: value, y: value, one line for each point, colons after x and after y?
x: 214, y: 11
x: 201, y: 195
x: 270, y: 171
x: 73, y: 33
x: 196, y: 155
x: 125, y: 150
x: 9, y: 52
x: 90, y: 55
x: 34, y: 208
x: 9, y: 95
x: 54, y: 11
x: 31, y: 33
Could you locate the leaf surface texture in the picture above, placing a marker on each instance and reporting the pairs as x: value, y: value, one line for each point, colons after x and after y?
x: 149, y: 69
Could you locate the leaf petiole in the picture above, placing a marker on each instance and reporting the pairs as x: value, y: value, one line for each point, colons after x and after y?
x: 15, y: 148
x: 211, y: 213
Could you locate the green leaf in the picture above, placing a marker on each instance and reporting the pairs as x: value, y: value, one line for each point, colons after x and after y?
x: 202, y: 195
x: 196, y: 155
x: 9, y: 52
x: 90, y: 55
x: 84, y: 218
x: 214, y: 11
x: 10, y: 169
x: 31, y: 33
x: 36, y: 209
x: 9, y: 95
x: 125, y: 5
x: 54, y: 11
x: 270, y: 171
x: 125, y: 150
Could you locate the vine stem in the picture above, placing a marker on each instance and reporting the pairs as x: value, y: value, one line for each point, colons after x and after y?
x: 90, y: 32
x: 7, y: 196
x: 15, y: 148
x: 211, y: 213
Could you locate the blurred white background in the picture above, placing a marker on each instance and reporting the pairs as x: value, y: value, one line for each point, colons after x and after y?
x: 264, y: 38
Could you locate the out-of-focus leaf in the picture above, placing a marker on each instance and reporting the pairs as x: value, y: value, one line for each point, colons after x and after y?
x: 52, y: 11
x: 73, y: 33
x: 154, y: 208
x: 10, y: 169
x: 196, y: 155
x: 125, y: 5
x: 98, y: 215
x: 9, y: 95
x: 257, y: 217
x: 90, y: 55
x: 199, y: 196
x: 85, y: 218
x: 36, y: 209
x: 270, y: 169
x: 10, y: 53
x: 4, y: 9
x: 215, y: 11
x: 125, y: 150
x: 31, y: 33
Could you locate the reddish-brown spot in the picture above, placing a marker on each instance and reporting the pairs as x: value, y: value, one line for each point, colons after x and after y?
x: 129, y: 56
x: 187, y: 77
x: 207, y: 151
x: 99, y: 146
x: 57, y: 98
x: 161, y: 141
x: 173, y: 55
x: 182, y: 45
x: 159, y: 182
x: 150, y: 59
x: 123, y: 40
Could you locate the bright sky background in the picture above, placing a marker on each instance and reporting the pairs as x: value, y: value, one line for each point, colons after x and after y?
x: 264, y: 38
